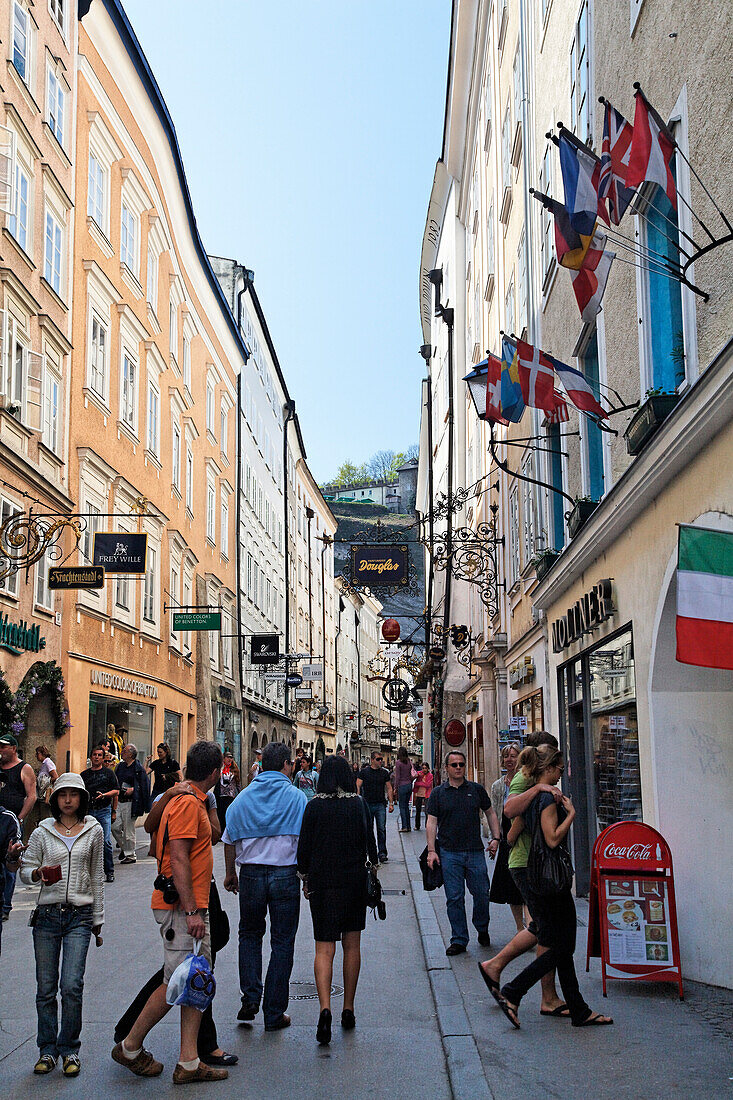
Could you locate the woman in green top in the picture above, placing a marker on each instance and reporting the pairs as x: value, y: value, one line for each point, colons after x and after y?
x: 522, y: 791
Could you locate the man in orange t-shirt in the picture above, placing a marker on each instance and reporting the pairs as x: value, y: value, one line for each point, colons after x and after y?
x: 185, y: 856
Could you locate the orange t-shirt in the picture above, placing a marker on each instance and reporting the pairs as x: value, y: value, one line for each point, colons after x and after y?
x: 187, y: 818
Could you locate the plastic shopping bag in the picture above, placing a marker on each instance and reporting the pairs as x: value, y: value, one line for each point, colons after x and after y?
x: 192, y: 982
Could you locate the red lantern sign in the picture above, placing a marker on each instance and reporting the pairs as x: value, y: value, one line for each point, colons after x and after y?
x: 390, y: 630
x: 454, y: 732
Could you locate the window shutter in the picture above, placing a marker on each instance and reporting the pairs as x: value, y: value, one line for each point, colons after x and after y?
x: 7, y: 170
x: 36, y: 369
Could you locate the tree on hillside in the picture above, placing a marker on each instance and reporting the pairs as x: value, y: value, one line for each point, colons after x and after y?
x: 383, y: 465
x: 412, y: 453
x: 348, y: 474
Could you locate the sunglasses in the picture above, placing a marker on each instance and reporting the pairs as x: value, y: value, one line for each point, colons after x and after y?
x: 461, y: 765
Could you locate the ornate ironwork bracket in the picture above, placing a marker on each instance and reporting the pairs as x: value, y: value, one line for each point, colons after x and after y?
x: 473, y: 558
x: 25, y: 538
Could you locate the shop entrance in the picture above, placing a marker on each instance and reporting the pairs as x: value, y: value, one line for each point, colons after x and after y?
x: 133, y: 722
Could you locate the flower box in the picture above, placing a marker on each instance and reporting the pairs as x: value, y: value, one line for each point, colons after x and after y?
x: 544, y: 562
x: 647, y: 420
x: 579, y: 515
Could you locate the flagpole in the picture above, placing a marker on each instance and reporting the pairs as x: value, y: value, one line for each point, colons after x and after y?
x: 684, y: 281
x: 730, y: 227
x: 522, y: 477
x: 620, y: 238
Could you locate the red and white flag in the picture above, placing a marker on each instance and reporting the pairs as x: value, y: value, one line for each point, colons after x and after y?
x: 493, y: 390
x: 536, y: 376
x: 561, y: 413
x: 652, y: 149
x: 589, y: 281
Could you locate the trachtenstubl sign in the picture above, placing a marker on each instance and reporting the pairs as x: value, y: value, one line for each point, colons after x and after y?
x: 120, y: 552
x: 585, y: 615
x: 380, y: 565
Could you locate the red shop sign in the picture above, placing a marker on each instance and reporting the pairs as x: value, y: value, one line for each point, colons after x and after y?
x: 632, y: 925
x: 454, y: 732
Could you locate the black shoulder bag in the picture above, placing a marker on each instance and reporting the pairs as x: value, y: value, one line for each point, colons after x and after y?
x: 549, y: 870
x: 372, y: 885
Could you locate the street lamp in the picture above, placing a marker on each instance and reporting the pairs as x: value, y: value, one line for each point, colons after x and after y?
x: 477, y: 382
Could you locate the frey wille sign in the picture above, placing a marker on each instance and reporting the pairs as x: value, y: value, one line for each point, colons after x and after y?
x: 264, y: 649
x: 120, y: 552
x: 585, y: 615
x: 380, y: 565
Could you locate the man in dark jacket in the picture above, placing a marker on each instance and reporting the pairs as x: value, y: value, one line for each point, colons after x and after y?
x: 133, y: 801
x: 11, y: 846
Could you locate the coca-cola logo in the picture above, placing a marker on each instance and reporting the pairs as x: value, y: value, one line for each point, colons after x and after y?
x: 632, y: 851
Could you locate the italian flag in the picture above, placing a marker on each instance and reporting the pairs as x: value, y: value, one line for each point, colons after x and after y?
x: 705, y: 597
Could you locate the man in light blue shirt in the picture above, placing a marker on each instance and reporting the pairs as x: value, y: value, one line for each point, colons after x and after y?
x: 261, y: 839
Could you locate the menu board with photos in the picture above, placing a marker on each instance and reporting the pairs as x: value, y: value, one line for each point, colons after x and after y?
x: 637, y: 919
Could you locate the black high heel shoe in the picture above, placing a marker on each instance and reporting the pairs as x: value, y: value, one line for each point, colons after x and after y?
x: 323, y: 1031
x: 348, y: 1019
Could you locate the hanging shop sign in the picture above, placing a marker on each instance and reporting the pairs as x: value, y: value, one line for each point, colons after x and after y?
x: 304, y: 693
x: 293, y: 679
x: 454, y: 732
x: 100, y: 677
x: 120, y: 552
x: 197, y: 620
x: 390, y: 630
x: 380, y: 565
x: 396, y: 693
x: 584, y: 616
x: 277, y: 677
x: 523, y: 673
x: 312, y: 672
x: 632, y: 923
x: 76, y: 576
x: 264, y: 649
x: 18, y: 637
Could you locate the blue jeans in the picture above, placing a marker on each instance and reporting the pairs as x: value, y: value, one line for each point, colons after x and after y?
x: 8, y: 890
x: 403, y: 797
x: 261, y: 889
x: 461, y: 870
x: 378, y: 812
x: 69, y: 928
x: 104, y: 817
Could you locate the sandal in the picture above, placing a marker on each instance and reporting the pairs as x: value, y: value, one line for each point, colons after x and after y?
x: 509, y: 1012
x: 562, y: 1012
x: 595, y: 1020
x: 491, y: 985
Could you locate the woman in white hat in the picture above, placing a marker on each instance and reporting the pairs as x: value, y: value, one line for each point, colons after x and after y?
x: 64, y: 854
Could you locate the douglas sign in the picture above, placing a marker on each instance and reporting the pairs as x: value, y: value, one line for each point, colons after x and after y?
x: 380, y: 565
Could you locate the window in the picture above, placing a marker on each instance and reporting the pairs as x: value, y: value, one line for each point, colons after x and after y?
x: 19, y: 221
x: 129, y: 237
x: 98, y: 358
x: 97, y: 196
x: 250, y: 565
x: 173, y: 329
x: 51, y: 406
x: 55, y: 107
x: 226, y: 643
x: 487, y: 109
x: 557, y: 511
x: 517, y: 86
x: 509, y: 307
x: 522, y: 279
x: 153, y: 419
x: 663, y: 297
x: 92, y: 525
x: 44, y: 596
x: 224, y: 526
x: 174, y: 598
x: 128, y: 392
x: 21, y: 41
x: 529, y: 513
x: 211, y: 512
x: 149, y: 588
x: 210, y: 394
x: 52, y: 267
x: 506, y: 147
x: 591, y: 433
x: 513, y: 536
x: 152, y: 291
x: 9, y: 583
x: 189, y: 479
x: 122, y: 593
x: 490, y: 248
x: 56, y: 7
x: 176, y: 457
x: 187, y: 362
x: 223, y: 424
x: 16, y: 365
x: 186, y: 634
x: 580, y: 113
x: 547, y: 240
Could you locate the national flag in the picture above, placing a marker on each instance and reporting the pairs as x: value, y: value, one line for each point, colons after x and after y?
x: 617, y: 135
x: 536, y: 376
x: 493, y: 391
x: 705, y: 597
x: 578, y: 388
x: 559, y: 414
x: 589, y: 281
x: 652, y: 149
x: 570, y: 246
x: 512, y: 401
x: 581, y: 174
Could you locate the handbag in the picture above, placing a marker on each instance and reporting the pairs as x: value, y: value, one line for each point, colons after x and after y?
x: 432, y: 877
x: 549, y: 870
x: 372, y: 885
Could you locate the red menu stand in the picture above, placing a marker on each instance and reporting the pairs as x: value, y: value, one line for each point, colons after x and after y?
x: 632, y: 925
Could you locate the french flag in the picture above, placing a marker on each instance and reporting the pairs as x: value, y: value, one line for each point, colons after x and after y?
x: 577, y: 388
x: 581, y: 175
x: 652, y: 149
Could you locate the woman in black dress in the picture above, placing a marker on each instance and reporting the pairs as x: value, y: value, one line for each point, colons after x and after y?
x: 335, y: 842
x: 503, y: 888
x: 165, y: 770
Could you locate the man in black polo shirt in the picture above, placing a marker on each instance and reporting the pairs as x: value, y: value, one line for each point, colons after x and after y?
x: 454, y: 820
x: 103, y: 793
x: 371, y: 783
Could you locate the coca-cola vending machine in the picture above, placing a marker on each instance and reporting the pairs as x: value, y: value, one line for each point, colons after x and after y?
x: 632, y: 924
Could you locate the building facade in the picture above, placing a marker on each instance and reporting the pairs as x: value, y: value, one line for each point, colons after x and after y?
x: 601, y: 532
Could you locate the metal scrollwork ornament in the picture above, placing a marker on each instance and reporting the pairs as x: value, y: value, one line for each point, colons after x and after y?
x: 25, y: 538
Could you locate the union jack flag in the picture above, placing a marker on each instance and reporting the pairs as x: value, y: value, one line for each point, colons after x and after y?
x: 617, y: 136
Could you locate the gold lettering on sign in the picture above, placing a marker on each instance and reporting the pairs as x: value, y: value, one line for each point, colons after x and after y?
x: 378, y: 566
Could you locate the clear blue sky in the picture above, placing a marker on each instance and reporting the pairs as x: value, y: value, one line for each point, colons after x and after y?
x: 309, y: 134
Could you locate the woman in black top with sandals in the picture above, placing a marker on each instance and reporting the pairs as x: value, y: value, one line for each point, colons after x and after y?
x: 335, y: 842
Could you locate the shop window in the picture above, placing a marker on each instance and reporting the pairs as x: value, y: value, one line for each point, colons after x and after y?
x: 172, y: 732
x: 614, y: 732
x: 228, y: 726
x: 133, y: 722
x: 531, y: 708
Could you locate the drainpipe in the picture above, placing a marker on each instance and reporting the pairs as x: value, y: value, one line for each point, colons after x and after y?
x: 336, y: 665
x: 309, y: 513
x: 289, y: 414
x: 238, y: 554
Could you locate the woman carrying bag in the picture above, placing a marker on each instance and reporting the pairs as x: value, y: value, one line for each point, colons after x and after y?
x: 334, y: 846
x: 64, y: 854
x: 504, y: 890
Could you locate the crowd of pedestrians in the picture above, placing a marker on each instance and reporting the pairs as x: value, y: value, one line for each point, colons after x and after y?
x: 295, y: 825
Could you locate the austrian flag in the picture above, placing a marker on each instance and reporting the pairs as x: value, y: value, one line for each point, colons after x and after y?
x: 705, y: 597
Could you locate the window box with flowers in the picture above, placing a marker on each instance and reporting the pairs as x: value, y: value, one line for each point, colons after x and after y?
x: 579, y: 514
x: 648, y: 418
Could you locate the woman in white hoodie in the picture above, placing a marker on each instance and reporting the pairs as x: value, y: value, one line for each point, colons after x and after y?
x: 64, y: 854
